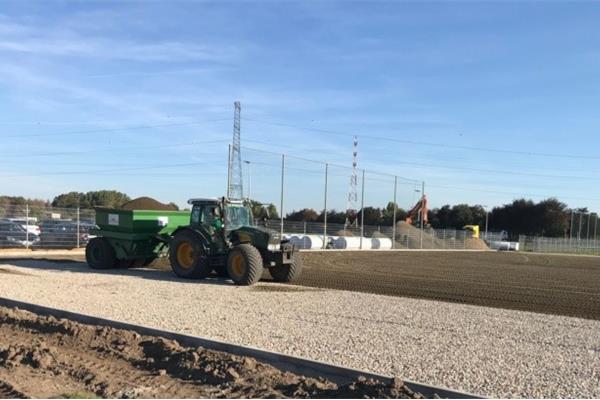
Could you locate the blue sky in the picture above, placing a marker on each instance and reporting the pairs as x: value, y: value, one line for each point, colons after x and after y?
x: 482, y: 77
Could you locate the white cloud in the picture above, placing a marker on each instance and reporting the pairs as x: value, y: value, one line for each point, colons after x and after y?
x: 48, y: 41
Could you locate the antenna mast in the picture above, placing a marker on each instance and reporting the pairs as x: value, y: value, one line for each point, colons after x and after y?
x: 351, y: 211
x: 234, y: 191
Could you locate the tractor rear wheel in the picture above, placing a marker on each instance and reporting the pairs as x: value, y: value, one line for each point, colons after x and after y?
x: 99, y: 254
x: 287, y: 272
x: 188, y: 257
x: 244, y: 264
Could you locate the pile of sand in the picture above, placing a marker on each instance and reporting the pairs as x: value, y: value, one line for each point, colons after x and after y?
x: 409, y: 236
x: 476, y: 244
x: 147, y: 203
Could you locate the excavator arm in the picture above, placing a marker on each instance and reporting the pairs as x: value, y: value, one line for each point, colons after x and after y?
x: 419, y: 209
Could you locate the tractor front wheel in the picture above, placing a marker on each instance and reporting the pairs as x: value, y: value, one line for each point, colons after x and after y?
x: 244, y: 264
x: 287, y: 272
x: 188, y: 257
x: 99, y: 254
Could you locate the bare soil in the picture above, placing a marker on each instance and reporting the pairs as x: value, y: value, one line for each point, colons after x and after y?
x: 554, y: 284
x: 44, y: 357
x: 147, y: 203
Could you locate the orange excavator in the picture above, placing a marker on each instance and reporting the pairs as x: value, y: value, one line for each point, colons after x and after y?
x: 419, y: 212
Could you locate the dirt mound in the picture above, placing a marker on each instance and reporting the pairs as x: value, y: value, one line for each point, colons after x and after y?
x: 48, y: 357
x: 379, y: 235
x: 148, y: 203
x: 373, y: 389
x: 476, y: 244
x: 410, y: 237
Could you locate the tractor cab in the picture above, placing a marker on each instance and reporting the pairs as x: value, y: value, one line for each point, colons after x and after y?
x: 237, y: 215
x: 220, y: 214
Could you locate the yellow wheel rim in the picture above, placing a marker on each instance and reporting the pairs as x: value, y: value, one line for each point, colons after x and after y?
x: 238, y: 265
x: 185, y: 255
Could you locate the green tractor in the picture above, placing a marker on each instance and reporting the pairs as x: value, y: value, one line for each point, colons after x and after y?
x: 218, y: 235
x: 222, y: 237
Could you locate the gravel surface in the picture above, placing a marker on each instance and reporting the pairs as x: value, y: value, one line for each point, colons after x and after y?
x: 488, y: 351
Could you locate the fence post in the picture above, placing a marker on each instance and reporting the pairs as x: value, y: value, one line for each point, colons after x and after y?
x: 394, y: 213
x: 571, y: 230
x: 27, y: 225
x: 78, y: 244
x: 281, y: 198
x: 325, y: 208
x: 422, y: 213
x: 362, y: 210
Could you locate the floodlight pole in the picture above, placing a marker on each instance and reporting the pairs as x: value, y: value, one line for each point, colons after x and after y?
x: 395, y: 212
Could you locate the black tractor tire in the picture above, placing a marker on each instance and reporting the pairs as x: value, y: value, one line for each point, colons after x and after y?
x: 99, y: 254
x: 221, y: 271
x: 188, y: 257
x: 125, y: 263
x: 287, y: 272
x: 244, y: 264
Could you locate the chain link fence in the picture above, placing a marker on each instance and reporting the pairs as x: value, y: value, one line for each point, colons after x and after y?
x: 559, y: 245
x: 37, y: 227
x: 317, y: 235
x: 40, y: 227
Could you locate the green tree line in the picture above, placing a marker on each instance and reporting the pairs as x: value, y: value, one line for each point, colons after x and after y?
x: 549, y: 217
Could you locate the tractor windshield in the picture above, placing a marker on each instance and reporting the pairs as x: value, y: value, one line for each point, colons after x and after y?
x: 237, y: 216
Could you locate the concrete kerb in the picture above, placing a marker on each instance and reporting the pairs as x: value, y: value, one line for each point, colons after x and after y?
x: 30, y: 253
x: 297, y: 365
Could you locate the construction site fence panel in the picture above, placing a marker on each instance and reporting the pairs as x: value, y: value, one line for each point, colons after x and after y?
x: 42, y: 227
x: 318, y: 235
x: 45, y: 227
x: 559, y: 245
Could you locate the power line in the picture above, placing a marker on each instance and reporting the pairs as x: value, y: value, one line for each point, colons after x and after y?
x: 109, y: 170
x: 432, y: 144
x: 494, y: 171
x: 126, y: 128
x: 330, y: 164
x: 112, y: 149
x: 491, y: 171
x: 509, y: 193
